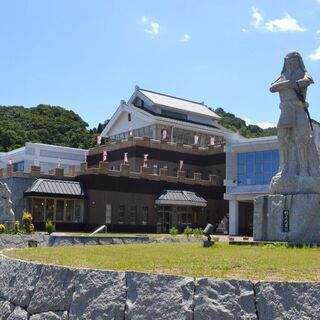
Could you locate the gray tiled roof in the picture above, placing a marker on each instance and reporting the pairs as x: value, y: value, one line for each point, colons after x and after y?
x: 57, y: 187
x: 180, y: 197
x: 178, y: 103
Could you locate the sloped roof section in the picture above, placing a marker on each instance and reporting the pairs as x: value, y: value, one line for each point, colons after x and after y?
x: 180, y: 198
x: 56, y: 188
x: 178, y: 103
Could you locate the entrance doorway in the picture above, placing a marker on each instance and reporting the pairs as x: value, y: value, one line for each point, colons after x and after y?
x: 163, y: 219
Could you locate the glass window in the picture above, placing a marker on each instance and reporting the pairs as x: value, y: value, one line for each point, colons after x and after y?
x: 59, y: 210
x: 145, y: 213
x: 49, y: 209
x: 108, y: 213
x: 257, y: 167
x: 38, y: 209
x: 78, y: 210
x: 133, y: 215
x: 121, y: 214
x: 69, y: 210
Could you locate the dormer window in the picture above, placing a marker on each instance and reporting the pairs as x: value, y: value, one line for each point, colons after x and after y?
x: 129, y: 117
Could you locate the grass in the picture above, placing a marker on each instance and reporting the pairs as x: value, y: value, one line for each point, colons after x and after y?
x: 224, y: 261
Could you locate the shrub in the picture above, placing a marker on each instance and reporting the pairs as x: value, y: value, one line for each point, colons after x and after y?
x: 16, y: 228
x: 173, y: 231
x: 187, y: 231
x: 50, y: 227
x: 27, y: 221
x: 2, y: 228
x: 198, y: 232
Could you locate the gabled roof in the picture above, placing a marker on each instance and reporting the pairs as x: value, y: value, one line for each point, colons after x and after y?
x: 180, y: 198
x: 59, y: 188
x: 178, y: 103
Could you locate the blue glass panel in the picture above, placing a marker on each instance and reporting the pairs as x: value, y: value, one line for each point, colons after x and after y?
x: 275, y: 168
x: 250, y: 180
x: 259, y: 168
x: 241, y: 179
x: 267, y: 155
x: 250, y: 168
x: 241, y: 169
x: 275, y: 155
x: 250, y: 157
x: 259, y: 179
x: 267, y: 178
x: 241, y: 158
x: 267, y: 167
x: 259, y: 156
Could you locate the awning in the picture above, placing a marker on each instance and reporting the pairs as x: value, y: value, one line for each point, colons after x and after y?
x: 56, y: 188
x: 180, y: 198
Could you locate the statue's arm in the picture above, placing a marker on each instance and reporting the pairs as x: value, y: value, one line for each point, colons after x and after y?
x: 279, y: 85
x: 305, y: 81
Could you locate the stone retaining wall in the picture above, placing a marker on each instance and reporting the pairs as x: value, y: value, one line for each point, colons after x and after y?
x: 35, y: 292
x: 21, y: 240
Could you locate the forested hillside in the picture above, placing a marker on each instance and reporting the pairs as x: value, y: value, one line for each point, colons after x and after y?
x: 234, y: 123
x: 45, y: 124
x: 56, y: 125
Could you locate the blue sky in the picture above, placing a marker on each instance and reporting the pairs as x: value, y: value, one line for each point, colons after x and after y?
x: 88, y: 55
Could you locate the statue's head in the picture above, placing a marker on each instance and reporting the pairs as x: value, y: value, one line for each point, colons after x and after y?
x: 293, y: 66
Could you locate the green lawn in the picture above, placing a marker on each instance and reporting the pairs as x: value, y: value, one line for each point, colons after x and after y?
x: 266, y: 262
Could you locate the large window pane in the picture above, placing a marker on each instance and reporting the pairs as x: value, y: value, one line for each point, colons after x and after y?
x: 69, y: 210
x: 257, y: 167
x: 78, y: 205
x: 49, y: 209
x: 59, y: 210
x: 38, y: 209
x: 133, y: 215
x: 145, y: 213
x: 121, y: 214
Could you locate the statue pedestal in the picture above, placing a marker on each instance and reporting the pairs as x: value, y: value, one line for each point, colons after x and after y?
x: 291, y: 218
x: 8, y: 224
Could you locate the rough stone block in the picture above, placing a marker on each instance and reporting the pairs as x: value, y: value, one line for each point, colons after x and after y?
x: 18, y: 314
x: 105, y: 241
x: 303, y: 218
x: 6, y: 309
x: 288, y: 300
x: 98, y: 295
x: 50, y: 316
x: 154, y: 297
x: 225, y: 300
x: 18, y: 280
x: 53, y: 291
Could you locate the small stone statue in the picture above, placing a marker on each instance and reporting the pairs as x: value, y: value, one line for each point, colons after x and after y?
x: 299, y: 159
x: 6, y: 212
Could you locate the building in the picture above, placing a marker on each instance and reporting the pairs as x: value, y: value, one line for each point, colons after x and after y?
x: 46, y: 156
x: 250, y: 166
x: 163, y: 166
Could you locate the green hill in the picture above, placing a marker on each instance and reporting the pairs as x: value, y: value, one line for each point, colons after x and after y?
x: 44, y: 124
x: 230, y: 121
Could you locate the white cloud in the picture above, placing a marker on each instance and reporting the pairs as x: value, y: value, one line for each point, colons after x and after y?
x: 256, y: 17
x: 315, y: 56
x: 265, y: 125
x: 186, y: 38
x: 152, y: 27
x: 245, y: 30
x: 318, y: 31
x: 144, y: 19
x: 285, y: 24
x: 262, y: 125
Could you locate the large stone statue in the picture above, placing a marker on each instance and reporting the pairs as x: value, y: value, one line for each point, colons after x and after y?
x: 6, y: 212
x: 299, y: 160
x: 292, y: 210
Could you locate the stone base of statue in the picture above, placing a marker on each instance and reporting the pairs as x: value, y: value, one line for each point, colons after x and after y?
x: 294, y: 185
x: 290, y: 218
x: 8, y: 224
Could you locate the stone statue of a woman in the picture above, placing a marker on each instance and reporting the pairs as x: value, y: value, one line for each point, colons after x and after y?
x: 299, y: 159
